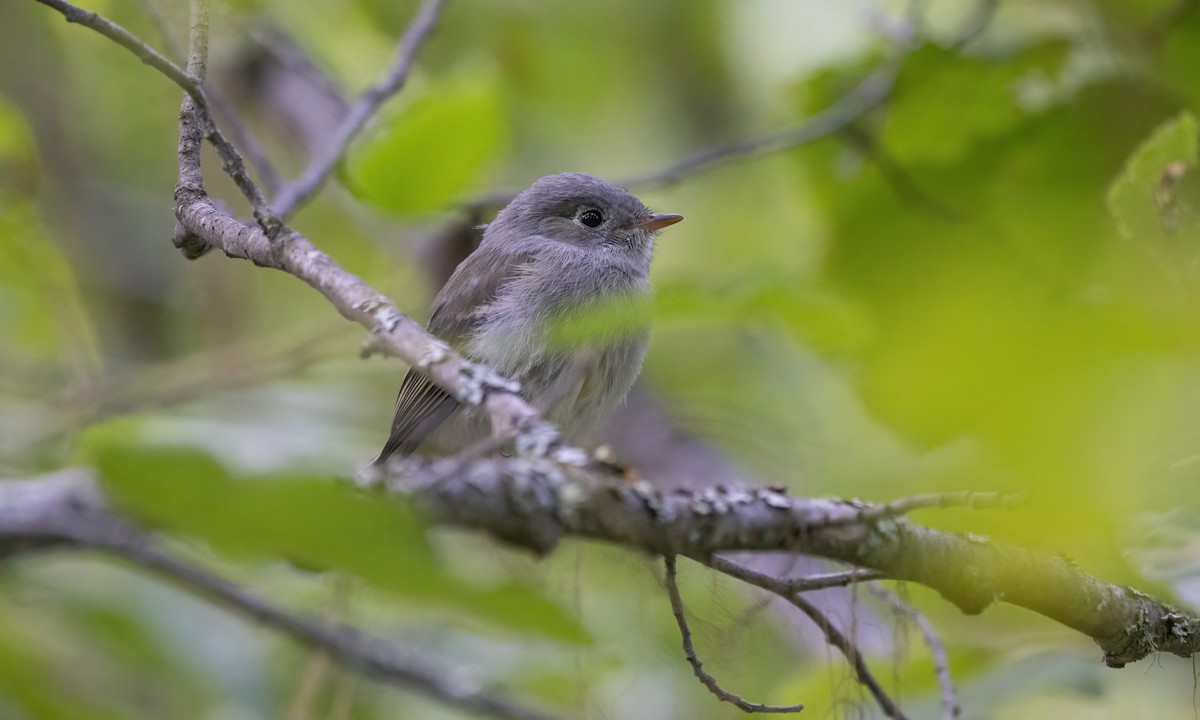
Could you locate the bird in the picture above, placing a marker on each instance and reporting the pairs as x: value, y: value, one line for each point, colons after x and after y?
x: 568, y: 243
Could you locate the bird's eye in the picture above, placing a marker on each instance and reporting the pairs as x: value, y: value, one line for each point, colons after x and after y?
x: 591, y: 218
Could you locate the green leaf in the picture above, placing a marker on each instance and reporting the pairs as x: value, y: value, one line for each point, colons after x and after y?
x: 945, y: 103
x: 316, y: 523
x: 1140, y: 198
x: 422, y: 158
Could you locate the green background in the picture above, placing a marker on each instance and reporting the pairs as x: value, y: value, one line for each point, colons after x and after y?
x: 1001, y: 295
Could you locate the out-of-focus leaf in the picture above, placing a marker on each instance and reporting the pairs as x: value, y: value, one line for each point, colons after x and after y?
x: 18, y: 159
x: 822, y: 319
x: 945, y: 102
x: 316, y: 523
x: 1141, y: 198
x: 1178, y: 56
x: 42, y: 314
x: 34, y: 681
x: 426, y: 155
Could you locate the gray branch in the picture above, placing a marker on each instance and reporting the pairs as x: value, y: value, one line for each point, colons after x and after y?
x: 553, y: 491
x: 314, y: 176
x: 869, y: 94
x: 224, y: 105
x: 66, y: 511
x: 535, y: 502
x: 203, y: 226
x: 191, y: 82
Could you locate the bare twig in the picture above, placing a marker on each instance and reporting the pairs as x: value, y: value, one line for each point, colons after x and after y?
x: 314, y: 176
x: 697, y: 667
x: 129, y: 41
x: 866, y: 96
x: 202, y: 225
x: 522, y: 500
x: 831, y: 580
x: 964, y: 499
x: 837, y: 118
x: 65, y: 511
x: 941, y: 659
x: 191, y: 83
x: 222, y: 103
x: 832, y: 634
x: 244, y: 138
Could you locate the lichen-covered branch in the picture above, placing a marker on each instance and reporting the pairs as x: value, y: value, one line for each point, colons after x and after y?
x: 536, y: 502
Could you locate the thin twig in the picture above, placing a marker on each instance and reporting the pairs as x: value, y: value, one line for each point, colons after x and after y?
x: 866, y: 96
x: 972, y: 500
x: 697, y: 667
x: 129, y: 41
x: 222, y: 103
x: 314, y: 176
x: 941, y: 659
x: 832, y: 635
x: 245, y: 139
x: 851, y: 107
x: 831, y: 580
x: 965, y: 499
x: 191, y: 82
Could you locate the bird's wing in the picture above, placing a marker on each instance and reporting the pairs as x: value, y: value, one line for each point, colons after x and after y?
x: 422, y: 406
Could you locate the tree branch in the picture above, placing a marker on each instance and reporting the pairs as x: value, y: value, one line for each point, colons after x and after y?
x: 535, y: 502
x: 314, y: 176
x: 224, y: 105
x: 66, y: 511
x: 830, y: 580
x: 697, y: 667
x: 840, y: 117
x: 129, y: 41
x: 191, y: 83
x: 869, y: 94
x: 202, y: 225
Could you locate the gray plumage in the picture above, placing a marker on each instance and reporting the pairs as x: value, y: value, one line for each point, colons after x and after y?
x: 540, y: 258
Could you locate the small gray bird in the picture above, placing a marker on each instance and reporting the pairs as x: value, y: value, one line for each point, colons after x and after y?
x: 568, y: 243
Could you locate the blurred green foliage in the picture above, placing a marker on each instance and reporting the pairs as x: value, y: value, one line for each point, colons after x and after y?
x: 449, y: 135
x: 991, y: 283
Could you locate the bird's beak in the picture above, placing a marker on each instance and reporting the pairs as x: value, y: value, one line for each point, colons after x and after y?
x: 658, y: 221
